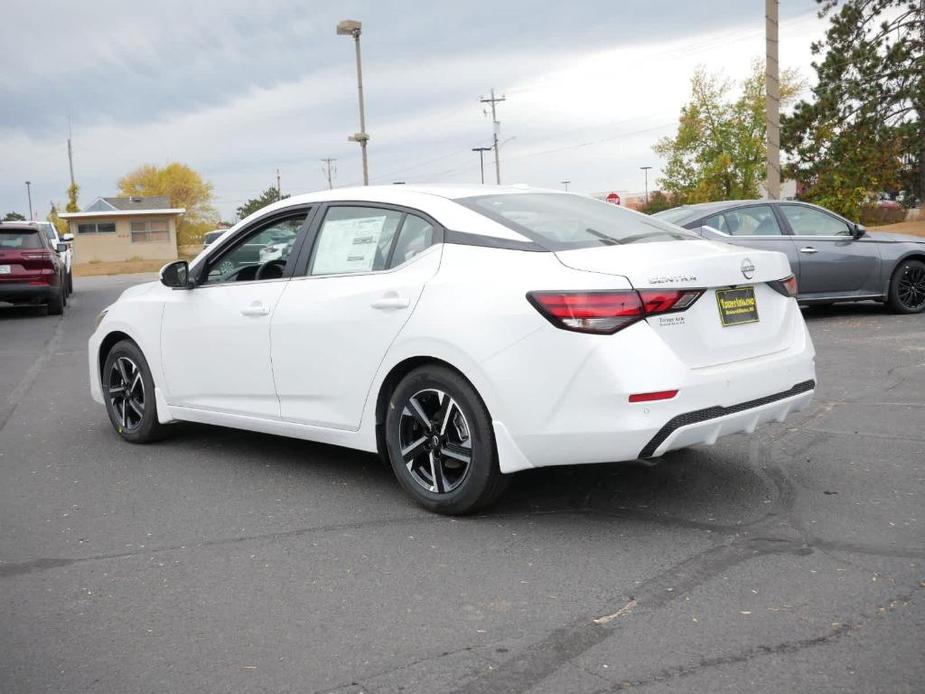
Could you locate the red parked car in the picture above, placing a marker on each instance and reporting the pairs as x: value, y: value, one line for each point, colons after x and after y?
x: 31, y: 271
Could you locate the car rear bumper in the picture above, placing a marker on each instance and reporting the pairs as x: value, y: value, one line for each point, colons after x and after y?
x: 16, y: 292
x: 575, y: 409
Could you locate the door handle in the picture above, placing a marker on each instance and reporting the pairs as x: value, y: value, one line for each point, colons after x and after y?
x: 808, y: 249
x: 255, y: 309
x: 387, y: 302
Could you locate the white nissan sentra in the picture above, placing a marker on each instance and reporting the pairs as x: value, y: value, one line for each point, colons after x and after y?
x: 464, y: 333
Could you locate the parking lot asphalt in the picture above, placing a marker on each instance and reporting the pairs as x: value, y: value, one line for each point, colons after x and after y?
x: 226, y: 561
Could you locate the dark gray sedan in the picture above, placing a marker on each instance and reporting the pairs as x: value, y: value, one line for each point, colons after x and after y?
x: 833, y: 258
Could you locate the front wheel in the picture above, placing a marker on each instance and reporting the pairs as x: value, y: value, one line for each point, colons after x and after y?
x: 128, y: 389
x: 907, y: 287
x: 441, y: 444
x: 70, y: 283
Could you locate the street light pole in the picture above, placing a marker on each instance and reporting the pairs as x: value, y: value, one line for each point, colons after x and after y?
x: 29, y: 193
x: 646, y: 170
x: 481, y: 151
x: 565, y: 183
x: 350, y: 27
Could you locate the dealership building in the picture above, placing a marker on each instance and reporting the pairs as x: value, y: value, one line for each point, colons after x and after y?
x: 125, y: 228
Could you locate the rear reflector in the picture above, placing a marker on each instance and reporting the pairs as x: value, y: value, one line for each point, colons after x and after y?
x: 786, y: 286
x: 649, y: 397
x: 606, y: 312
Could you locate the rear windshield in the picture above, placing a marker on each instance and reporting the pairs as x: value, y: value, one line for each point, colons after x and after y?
x: 14, y: 240
x: 679, y: 215
x: 561, y: 222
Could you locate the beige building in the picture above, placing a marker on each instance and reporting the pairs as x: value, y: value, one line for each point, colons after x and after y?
x: 130, y: 228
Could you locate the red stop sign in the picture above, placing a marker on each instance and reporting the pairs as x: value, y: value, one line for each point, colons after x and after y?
x: 613, y: 199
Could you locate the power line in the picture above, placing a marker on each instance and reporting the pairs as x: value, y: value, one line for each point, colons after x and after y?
x: 496, y: 124
x: 330, y: 170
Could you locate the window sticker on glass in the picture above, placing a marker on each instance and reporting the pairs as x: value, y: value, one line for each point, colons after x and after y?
x: 348, y: 245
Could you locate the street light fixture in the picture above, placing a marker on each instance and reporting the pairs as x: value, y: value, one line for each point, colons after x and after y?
x: 565, y: 183
x: 481, y: 151
x: 646, y: 170
x: 351, y: 27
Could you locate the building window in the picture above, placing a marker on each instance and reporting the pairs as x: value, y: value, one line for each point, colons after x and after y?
x: 97, y: 228
x: 153, y: 230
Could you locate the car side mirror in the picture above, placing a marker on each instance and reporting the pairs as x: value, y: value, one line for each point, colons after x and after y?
x: 68, y: 237
x: 62, y: 247
x: 176, y: 275
x: 859, y: 231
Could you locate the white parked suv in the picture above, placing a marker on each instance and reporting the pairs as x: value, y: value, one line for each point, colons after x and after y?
x: 51, y: 233
x: 464, y: 333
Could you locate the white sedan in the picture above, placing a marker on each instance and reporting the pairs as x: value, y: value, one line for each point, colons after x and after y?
x: 464, y: 333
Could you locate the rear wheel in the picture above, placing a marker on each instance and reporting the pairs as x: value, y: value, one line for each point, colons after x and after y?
x: 129, y: 393
x: 907, y: 287
x: 441, y: 444
x: 56, y: 302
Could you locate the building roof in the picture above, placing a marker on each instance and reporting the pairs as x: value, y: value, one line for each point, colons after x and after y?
x: 133, y: 202
x: 126, y: 206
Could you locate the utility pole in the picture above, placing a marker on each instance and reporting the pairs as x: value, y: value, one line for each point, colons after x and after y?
x: 70, y: 152
x: 351, y: 27
x: 29, y: 193
x: 772, y: 85
x: 481, y: 151
x: 279, y: 190
x: 330, y: 170
x: 497, y: 128
x: 565, y: 183
x: 646, y: 170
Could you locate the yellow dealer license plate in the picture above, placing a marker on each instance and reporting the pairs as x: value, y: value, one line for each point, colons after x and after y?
x: 737, y: 306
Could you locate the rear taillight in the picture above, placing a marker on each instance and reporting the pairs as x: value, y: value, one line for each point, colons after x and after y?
x: 787, y: 286
x: 606, y: 312
x: 36, y: 255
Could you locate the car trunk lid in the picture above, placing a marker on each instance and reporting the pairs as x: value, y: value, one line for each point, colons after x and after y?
x: 698, y: 335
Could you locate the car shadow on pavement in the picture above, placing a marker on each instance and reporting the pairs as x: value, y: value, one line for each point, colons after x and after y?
x: 851, y: 309
x: 12, y: 311
x: 701, y: 486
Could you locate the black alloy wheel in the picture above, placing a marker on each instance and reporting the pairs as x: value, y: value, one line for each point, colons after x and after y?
x: 128, y: 390
x: 436, y: 442
x: 440, y: 442
x: 907, y: 288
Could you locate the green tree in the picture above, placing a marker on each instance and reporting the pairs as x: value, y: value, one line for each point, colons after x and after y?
x: 268, y: 196
x: 719, y: 151
x: 14, y: 217
x: 185, y: 188
x: 862, y: 131
x: 659, y: 202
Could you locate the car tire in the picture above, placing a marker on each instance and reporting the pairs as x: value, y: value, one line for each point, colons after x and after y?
x: 128, y: 390
x: 441, y: 444
x: 907, y: 287
x: 70, y: 283
x: 57, y: 302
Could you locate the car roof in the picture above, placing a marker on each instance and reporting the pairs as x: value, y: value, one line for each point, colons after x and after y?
x: 705, y: 209
x: 20, y: 226
x: 436, y: 200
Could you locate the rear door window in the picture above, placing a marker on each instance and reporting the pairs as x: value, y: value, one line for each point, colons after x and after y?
x: 354, y: 239
x: 751, y: 221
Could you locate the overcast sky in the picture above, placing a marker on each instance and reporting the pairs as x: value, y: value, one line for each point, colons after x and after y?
x: 238, y: 89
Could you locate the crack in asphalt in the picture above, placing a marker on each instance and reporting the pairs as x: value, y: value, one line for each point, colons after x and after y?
x: 564, y: 644
x: 747, y: 654
x: 25, y: 385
